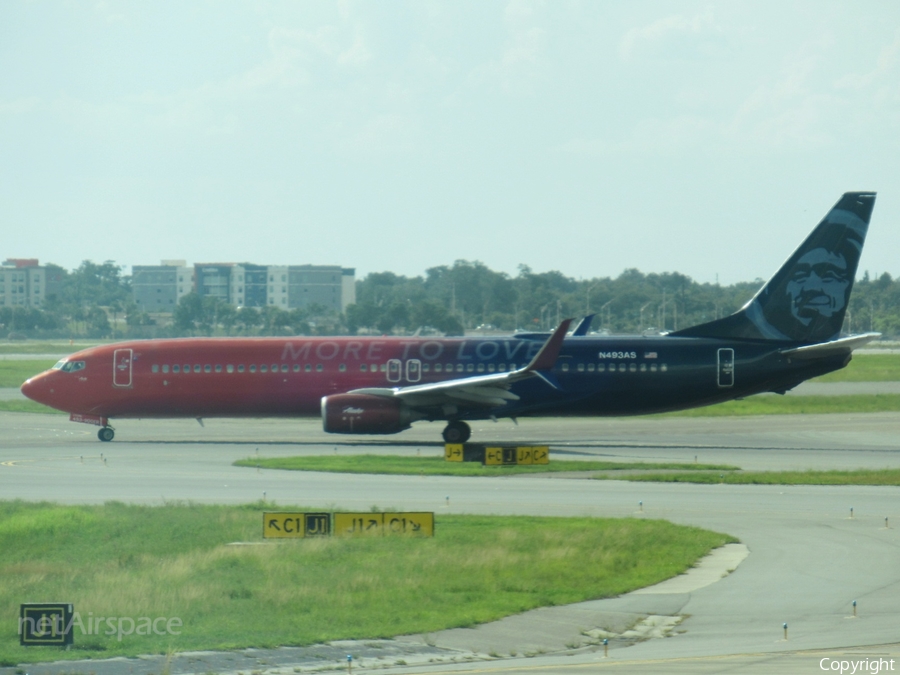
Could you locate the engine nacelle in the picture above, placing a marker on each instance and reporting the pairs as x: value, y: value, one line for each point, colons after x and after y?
x: 364, y: 414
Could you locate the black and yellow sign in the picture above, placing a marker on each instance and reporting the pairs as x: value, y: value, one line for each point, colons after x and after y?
x: 540, y: 454
x: 520, y: 454
x: 453, y: 452
x: 283, y: 525
x: 499, y: 456
x: 358, y: 524
x: 45, y: 623
x: 419, y: 524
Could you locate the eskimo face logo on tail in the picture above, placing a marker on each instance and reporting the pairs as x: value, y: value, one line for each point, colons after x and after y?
x: 818, y: 285
x: 807, y: 299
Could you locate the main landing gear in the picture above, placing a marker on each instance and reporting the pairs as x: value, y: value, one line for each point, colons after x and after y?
x: 456, y: 431
x: 106, y: 434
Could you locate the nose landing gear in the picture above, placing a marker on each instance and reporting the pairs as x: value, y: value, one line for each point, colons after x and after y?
x: 456, y: 431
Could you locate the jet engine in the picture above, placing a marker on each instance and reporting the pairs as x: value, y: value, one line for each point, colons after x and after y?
x: 364, y: 414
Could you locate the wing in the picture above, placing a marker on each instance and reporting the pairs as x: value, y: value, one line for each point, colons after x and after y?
x: 835, y: 347
x: 487, y: 391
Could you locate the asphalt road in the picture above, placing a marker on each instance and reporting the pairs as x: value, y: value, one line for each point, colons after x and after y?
x: 808, y: 560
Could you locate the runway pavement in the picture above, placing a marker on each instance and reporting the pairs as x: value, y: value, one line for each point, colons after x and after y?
x: 808, y: 560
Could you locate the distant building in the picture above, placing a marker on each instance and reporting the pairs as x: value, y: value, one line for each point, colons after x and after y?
x: 329, y: 286
x: 159, y: 288
x: 255, y: 284
x: 213, y: 279
x: 24, y: 283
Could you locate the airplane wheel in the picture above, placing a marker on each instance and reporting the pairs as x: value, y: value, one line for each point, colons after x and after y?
x: 456, y: 431
x: 106, y: 434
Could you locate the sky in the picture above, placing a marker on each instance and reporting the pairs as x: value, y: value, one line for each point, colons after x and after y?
x: 706, y: 138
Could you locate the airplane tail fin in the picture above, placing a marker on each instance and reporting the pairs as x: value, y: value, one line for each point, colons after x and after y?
x: 807, y: 298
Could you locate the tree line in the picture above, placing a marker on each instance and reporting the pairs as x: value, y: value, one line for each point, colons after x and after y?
x: 95, y: 301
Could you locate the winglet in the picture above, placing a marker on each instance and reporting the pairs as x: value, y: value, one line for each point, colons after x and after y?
x: 584, y: 326
x: 546, y: 358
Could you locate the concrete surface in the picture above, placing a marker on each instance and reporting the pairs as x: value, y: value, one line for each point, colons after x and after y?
x: 808, y: 560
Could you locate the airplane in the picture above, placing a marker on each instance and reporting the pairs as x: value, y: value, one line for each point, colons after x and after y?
x: 790, y: 331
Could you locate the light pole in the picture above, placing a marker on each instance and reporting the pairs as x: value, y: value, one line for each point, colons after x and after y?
x: 641, y: 327
x: 606, y: 307
x: 587, y: 299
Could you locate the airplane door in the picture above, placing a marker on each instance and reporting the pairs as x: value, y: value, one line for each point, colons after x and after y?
x: 122, y: 367
x: 413, y: 370
x: 726, y: 367
x: 394, y: 370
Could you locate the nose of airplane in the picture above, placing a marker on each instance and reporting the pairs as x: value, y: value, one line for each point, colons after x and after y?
x: 38, y: 389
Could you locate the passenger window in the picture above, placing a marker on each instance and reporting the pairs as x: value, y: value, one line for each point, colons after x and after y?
x: 664, y: 367
x: 580, y: 367
x: 480, y: 368
x: 319, y: 368
x: 218, y: 367
x: 643, y: 367
x: 274, y: 367
x: 601, y: 367
x: 621, y: 367
x: 186, y: 368
x: 363, y: 367
x: 253, y: 368
x: 426, y: 367
x: 491, y: 368
x: 196, y: 367
x: 342, y: 368
x: 590, y: 367
x: 459, y: 367
x: 652, y: 367
x: 632, y: 367
x: 565, y: 367
x: 176, y: 368
x: 438, y: 367
x: 512, y: 366
x: 284, y: 367
x: 154, y: 368
x: 166, y: 368
x: 264, y: 368
x: 241, y: 368
x: 502, y: 367
x: 207, y: 368
x: 296, y: 367
x: 308, y: 368
x: 229, y: 368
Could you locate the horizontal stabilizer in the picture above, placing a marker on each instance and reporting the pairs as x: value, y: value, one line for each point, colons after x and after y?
x: 833, y: 348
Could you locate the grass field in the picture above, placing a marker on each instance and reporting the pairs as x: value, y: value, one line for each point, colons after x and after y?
x: 14, y: 373
x: 19, y: 405
x: 793, y: 405
x: 867, y: 368
x: 173, y: 561
x: 858, y: 477
x: 432, y: 466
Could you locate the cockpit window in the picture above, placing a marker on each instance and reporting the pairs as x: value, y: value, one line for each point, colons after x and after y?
x: 59, y: 364
x: 69, y: 366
